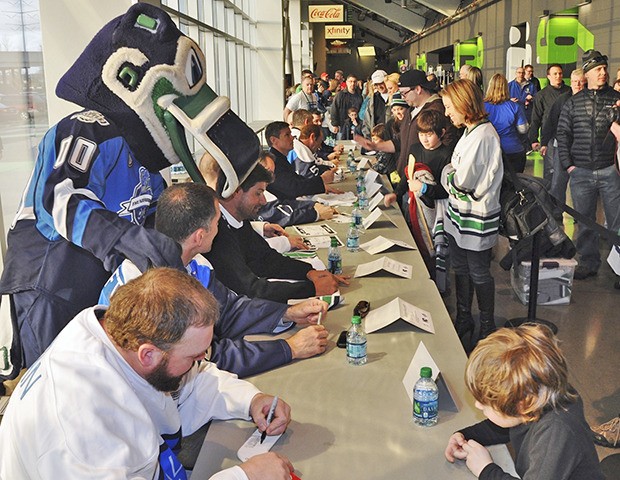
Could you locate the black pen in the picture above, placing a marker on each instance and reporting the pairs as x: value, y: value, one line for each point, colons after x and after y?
x: 272, y: 410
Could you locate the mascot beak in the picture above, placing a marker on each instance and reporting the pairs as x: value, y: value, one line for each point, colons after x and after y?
x: 208, y: 118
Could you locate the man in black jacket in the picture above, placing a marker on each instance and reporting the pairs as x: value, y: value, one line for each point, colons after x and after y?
x: 245, y: 262
x: 541, y: 106
x: 587, y: 152
x: 345, y: 99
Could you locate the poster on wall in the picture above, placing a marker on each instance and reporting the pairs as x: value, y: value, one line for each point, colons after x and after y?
x: 326, y: 13
x: 338, y: 31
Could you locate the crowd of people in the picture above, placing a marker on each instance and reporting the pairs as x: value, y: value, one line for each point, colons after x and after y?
x: 139, y: 355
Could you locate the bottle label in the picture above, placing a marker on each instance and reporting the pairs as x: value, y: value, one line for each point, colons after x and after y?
x: 425, y: 409
x: 353, y: 242
x: 334, y: 265
x: 356, y: 350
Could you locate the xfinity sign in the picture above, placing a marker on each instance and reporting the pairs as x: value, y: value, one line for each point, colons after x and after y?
x: 338, y: 31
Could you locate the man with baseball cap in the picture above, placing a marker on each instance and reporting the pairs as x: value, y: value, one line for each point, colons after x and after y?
x: 587, y: 151
x: 376, y: 111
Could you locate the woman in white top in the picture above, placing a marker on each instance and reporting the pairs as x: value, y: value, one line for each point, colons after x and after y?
x: 473, y: 179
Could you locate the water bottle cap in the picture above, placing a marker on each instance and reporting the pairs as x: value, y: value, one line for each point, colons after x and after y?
x: 334, y: 242
x: 426, y: 372
x: 356, y: 320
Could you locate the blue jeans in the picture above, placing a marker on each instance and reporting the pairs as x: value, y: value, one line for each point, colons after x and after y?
x: 559, y: 176
x: 586, y: 186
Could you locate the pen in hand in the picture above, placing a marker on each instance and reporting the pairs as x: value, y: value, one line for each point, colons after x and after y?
x: 272, y: 409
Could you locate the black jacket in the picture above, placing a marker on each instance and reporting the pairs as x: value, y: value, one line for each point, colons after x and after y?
x: 583, y: 135
x: 550, y: 125
x: 288, y: 184
x: 542, y: 107
x: 341, y: 104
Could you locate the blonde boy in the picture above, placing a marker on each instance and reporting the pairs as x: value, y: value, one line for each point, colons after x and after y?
x: 519, y: 379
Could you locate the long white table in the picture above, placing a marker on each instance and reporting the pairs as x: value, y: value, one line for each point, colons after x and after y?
x: 356, y: 422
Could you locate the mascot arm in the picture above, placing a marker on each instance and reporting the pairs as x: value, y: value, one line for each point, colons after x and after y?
x: 109, y: 237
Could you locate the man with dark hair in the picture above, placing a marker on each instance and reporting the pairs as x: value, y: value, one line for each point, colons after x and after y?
x: 588, y: 152
x: 305, y: 147
x: 287, y: 183
x: 541, y: 106
x: 189, y: 214
x: 115, y: 392
x: 345, y: 99
x: 245, y: 262
x: 529, y: 75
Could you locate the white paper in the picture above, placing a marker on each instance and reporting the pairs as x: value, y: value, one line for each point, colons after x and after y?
x: 372, y: 189
x: 324, y: 241
x: 371, y: 176
x: 398, y: 309
x: 363, y: 163
x: 335, y: 199
x: 252, y: 445
x: 380, y: 244
x: 313, y: 230
x: 371, y: 218
x: 421, y: 358
x: 375, y: 201
x: 384, y: 263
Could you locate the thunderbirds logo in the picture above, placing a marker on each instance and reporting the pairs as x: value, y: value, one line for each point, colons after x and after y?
x: 137, y: 206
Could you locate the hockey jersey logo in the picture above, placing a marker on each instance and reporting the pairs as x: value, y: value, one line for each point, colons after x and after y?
x: 135, y: 209
x: 91, y: 116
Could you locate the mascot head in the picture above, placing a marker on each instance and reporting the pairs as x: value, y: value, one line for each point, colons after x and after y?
x: 141, y: 72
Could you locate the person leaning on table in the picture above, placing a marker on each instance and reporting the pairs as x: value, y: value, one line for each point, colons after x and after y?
x: 114, y: 393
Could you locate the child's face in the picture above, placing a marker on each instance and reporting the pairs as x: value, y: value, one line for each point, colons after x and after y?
x: 353, y: 115
x: 429, y: 140
x: 498, y: 418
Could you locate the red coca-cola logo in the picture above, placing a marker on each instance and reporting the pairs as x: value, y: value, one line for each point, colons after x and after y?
x: 325, y: 14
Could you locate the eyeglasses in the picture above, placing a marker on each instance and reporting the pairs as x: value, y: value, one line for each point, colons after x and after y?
x: 601, y: 60
x: 362, y: 308
x: 404, y: 92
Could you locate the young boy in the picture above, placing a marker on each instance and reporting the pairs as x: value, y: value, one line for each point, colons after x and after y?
x: 421, y: 179
x: 385, y: 161
x: 352, y: 125
x: 519, y: 379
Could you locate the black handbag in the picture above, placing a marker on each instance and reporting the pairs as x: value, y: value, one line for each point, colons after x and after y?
x: 521, y: 213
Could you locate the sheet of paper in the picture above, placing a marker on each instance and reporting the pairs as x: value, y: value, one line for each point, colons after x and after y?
x: 381, y: 317
x: 335, y: 199
x: 398, y: 309
x: 313, y: 230
x: 324, y: 241
x: 363, y: 163
x: 375, y: 201
x: 252, y: 445
x: 372, y: 189
x: 421, y: 358
x: 371, y: 218
x: 380, y: 244
x: 387, y: 264
x: 371, y: 176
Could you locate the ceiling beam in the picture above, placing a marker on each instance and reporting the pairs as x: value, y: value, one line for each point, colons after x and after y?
x: 378, y: 28
x: 393, y: 12
x: 445, y: 7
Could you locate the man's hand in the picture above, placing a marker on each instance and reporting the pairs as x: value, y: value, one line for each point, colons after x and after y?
x: 308, y: 342
x: 415, y: 185
x: 268, y: 466
x: 454, y: 450
x: 389, y: 199
x: 306, y: 312
x: 536, y: 146
x: 273, y: 230
x: 326, y: 283
x: 615, y: 129
x: 543, y: 150
x: 339, y: 149
x: 334, y: 157
x: 478, y: 457
x: 335, y: 128
x: 364, y: 142
x: 330, y: 189
x: 297, y: 243
x: 328, y: 176
x: 325, y: 212
x: 259, y: 410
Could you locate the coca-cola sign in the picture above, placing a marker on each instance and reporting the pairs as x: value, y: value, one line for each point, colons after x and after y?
x: 326, y: 13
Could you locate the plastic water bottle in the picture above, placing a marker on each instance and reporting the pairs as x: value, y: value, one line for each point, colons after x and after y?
x: 360, y: 181
x: 358, y: 218
x: 351, y: 162
x: 334, y: 258
x: 356, y: 342
x: 425, y: 399
x: 353, y: 238
x: 362, y: 199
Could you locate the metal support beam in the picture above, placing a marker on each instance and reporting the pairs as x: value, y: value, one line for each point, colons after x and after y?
x: 393, y: 12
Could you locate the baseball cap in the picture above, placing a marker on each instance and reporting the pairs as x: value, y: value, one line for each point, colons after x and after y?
x: 592, y: 59
x: 378, y: 76
x: 413, y: 78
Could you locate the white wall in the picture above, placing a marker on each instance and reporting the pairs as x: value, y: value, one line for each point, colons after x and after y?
x: 66, y: 27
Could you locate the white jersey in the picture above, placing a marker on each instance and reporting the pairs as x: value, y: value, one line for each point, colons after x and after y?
x: 82, y: 412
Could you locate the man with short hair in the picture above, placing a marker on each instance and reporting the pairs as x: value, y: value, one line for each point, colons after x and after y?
x: 528, y: 71
x: 287, y: 183
x: 549, y: 143
x: 345, y: 99
x: 305, y: 148
x: 339, y: 75
x: 522, y: 91
x: 118, y: 388
x: 307, y: 99
x: 587, y: 152
x: 242, y: 258
x: 189, y: 214
x: 541, y: 106
x: 376, y: 111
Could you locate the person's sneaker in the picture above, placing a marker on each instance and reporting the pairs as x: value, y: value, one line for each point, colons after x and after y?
x: 607, y: 434
x: 583, y: 272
